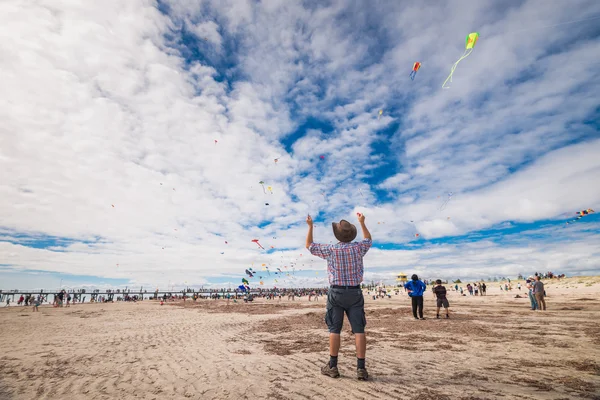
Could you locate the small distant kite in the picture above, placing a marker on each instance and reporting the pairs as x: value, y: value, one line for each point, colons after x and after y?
x: 226, y: 242
x: 270, y: 189
x: 417, y: 235
x: 222, y: 252
x: 416, y: 67
x: 245, y: 281
x: 469, y: 44
x: 581, y: 214
x: 259, y: 245
x: 263, y: 186
x: 215, y: 142
x: 322, y: 157
x: 113, y: 206
x: 446, y: 201
x: 266, y: 204
x: 380, y: 114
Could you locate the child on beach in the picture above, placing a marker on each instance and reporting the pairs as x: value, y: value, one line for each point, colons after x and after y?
x: 440, y: 293
x: 36, y: 304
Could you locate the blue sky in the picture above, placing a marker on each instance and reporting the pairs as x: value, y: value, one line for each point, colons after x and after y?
x: 113, y: 177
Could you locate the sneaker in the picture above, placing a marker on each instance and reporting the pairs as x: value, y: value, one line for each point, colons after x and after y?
x: 438, y: 316
x: 362, y: 374
x: 447, y: 316
x: 331, y: 372
x: 422, y: 318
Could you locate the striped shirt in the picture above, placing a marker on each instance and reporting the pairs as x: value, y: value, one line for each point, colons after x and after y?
x: 344, y: 261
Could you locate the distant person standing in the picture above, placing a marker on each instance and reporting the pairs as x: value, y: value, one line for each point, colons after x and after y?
x: 538, y: 291
x: 529, y: 286
x: 440, y: 294
x: 483, y: 289
x: 416, y: 288
x: 36, y: 304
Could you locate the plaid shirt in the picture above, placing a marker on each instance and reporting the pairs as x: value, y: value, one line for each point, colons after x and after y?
x: 344, y: 261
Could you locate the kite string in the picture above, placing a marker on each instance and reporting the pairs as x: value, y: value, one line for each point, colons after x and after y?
x: 552, y: 26
x: 465, y: 55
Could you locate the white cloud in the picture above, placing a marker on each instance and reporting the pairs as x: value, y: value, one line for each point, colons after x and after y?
x: 99, y: 108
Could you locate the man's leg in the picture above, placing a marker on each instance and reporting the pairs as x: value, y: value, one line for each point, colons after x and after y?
x: 437, y: 313
x: 414, y: 307
x: 355, y: 303
x: 538, y: 301
x: 334, y: 317
x: 361, y: 345
x: 420, y: 300
x: 334, y: 344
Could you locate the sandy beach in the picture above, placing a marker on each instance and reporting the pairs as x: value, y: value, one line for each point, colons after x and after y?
x: 493, y: 347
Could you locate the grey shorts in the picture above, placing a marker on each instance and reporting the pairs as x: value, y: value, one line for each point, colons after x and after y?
x: 348, y: 301
x: 443, y: 302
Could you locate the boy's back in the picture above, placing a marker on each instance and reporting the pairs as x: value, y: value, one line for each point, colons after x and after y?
x: 440, y: 292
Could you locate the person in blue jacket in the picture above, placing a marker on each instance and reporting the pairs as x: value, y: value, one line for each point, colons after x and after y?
x: 416, y: 288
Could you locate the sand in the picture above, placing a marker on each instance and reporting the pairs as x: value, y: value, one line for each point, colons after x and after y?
x: 493, y: 347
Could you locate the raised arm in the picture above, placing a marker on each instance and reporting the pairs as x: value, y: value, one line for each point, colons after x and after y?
x: 309, y: 236
x: 365, y: 231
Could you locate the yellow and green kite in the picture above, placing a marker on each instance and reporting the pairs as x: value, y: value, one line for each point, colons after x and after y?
x: 469, y: 44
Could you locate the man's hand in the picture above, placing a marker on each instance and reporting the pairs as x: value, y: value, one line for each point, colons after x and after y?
x: 361, y: 220
x: 309, y: 220
x: 309, y: 236
x: 361, y: 217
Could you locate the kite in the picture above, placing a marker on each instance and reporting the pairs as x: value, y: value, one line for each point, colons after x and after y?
x: 245, y: 281
x: 322, y: 157
x: 113, y: 206
x: 222, y: 252
x: 263, y: 186
x: 416, y: 67
x: 262, y: 283
x: 416, y: 235
x: 256, y: 241
x: 242, y: 288
x: 445, y: 203
x: 270, y: 189
x: 470, y: 42
x: 226, y: 242
x: 215, y: 142
x: 379, y: 116
x: 266, y: 204
x: 581, y: 214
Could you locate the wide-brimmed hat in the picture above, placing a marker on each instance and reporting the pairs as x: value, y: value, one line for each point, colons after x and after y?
x: 344, y: 231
